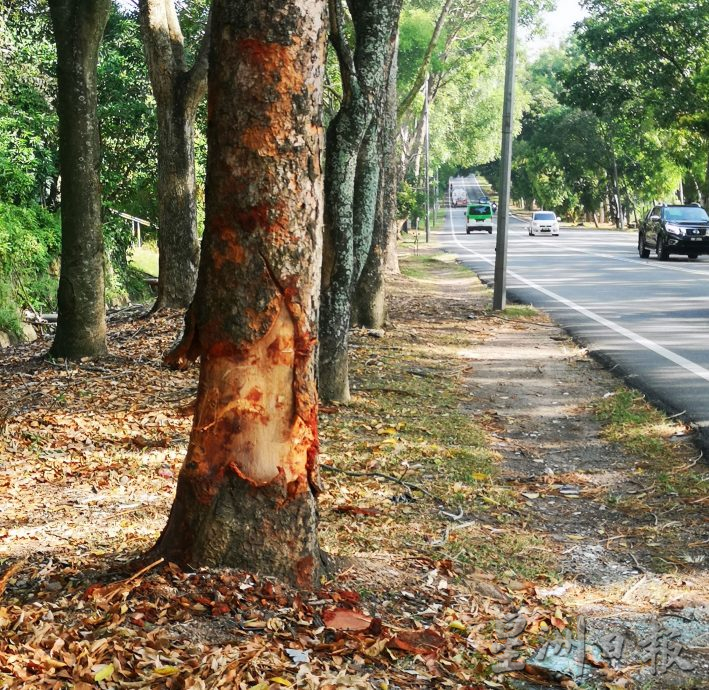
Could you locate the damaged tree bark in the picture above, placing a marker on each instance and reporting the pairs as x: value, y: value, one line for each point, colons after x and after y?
x: 245, y: 494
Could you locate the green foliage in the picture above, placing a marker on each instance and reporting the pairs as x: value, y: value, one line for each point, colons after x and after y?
x: 644, y: 73
x: 9, y: 311
x: 29, y: 252
x: 126, y: 111
x: 466, y: 77
x: 410, y: 202
x: 28, y: 138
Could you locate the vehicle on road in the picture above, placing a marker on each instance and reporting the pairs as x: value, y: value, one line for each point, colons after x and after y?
x: 478, y: 217
x: 674, y: 230
x: 543, y: 223
x: 484, y: 199
x: 459, y: 197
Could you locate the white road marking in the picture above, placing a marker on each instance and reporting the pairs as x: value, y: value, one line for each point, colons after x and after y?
x: 673, y: 357
x: 646, y: 263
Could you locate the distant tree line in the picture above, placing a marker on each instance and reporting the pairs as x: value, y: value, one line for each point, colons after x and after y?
x: 619, y: 116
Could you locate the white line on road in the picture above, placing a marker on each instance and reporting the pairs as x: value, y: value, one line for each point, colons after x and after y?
x: 644, y: 263
x: 673, y: 357
x: 637, y: 262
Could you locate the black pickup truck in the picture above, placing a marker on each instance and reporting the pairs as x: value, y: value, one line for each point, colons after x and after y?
x: 674, y: 230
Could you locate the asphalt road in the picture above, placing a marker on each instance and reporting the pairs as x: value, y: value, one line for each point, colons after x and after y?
x: 648, y: 320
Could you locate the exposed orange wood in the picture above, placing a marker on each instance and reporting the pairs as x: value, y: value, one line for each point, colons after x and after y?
x: 249, y: 419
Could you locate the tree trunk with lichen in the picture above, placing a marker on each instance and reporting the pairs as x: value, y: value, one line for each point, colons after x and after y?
x: 246, y: 492
x: 178, y: 91
x: 81, y: 324
x: 364, y: 73
x: 369, y: 299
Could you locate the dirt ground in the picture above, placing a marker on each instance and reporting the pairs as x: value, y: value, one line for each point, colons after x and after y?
x: 474, y: 506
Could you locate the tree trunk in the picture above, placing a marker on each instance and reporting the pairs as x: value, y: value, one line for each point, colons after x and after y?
x: 178, y: 243
x: 81, y: 324
x: 413, y: 169
x: 365, y: 196
x: 245, y: 494
x: 706, y: 188
x: 369, y: 300
x: 177, y: 91
x: 338, y: 258
x: 363, y: 77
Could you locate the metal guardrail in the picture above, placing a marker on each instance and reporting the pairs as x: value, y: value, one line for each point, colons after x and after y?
x: 136, y: 224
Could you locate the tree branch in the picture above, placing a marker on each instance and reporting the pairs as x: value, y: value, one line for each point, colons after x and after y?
x: 196, y: 83
x: 422, y: 73
x: 388, y: 477
x: 341, y: 47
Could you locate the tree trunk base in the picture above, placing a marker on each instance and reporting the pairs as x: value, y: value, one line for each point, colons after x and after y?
x: 369, y: 310
x: 259, y: 529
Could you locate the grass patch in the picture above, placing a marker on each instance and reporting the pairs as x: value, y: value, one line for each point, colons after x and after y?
x: 518, y: 311
x: 421, y: 266
x: 518, y: 551
x: 667, y: 470
x: 630, y: 421
x: 145, y: 259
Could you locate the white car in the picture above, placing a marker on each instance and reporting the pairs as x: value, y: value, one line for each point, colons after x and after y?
x: 543, y: 223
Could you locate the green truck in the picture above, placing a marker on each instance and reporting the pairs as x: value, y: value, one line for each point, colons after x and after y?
x: 478, y: 217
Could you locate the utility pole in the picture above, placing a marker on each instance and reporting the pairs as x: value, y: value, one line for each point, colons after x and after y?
x: 499, y: 298
x: 428, y: 182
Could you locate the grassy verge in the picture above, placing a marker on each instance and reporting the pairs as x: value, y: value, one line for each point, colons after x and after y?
x: 632, y: 422
x: 409, y: 420
x: 669, y: 475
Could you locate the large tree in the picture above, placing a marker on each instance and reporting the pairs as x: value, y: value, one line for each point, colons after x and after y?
x: 81, y: 326
x: 349, y: 175
x: 178, y: 90
x: 245, y: 494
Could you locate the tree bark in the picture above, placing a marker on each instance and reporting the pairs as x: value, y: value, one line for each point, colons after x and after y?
x: 369, y: 300
x: 177, y: 91
x: 365, y: 196
x: 246, y: 492
x: 706, y: 188
x: 81, y: 324
x: 363, y: 77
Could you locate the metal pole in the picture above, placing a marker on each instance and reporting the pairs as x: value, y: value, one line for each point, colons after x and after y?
x: 499, y: 298
x: 428, y: 183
